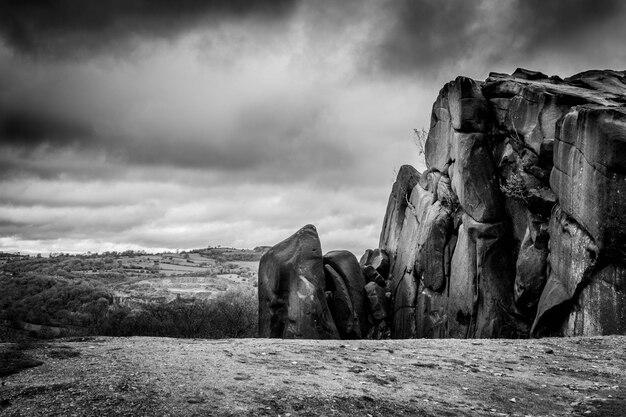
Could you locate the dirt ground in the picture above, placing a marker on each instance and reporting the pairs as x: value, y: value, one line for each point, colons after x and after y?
x: 142, y: 376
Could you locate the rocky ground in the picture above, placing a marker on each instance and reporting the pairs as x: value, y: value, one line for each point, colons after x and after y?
x: 171, y: 377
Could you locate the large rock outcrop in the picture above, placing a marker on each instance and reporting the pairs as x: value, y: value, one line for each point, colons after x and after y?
x: 516, y: 228
x: 519, y: 221
x: 304, y: 295
x: 292, y: 302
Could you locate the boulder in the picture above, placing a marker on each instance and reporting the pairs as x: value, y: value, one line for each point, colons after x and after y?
x: 292, y: 303
x: 468, y: 107
x: 372, y: 275
x: 378, y: 259
x: 345, y: 264
x: 340, y: 305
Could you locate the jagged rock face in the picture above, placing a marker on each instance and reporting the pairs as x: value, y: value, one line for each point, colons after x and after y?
x: 520, y: 216
x: 292, y: 303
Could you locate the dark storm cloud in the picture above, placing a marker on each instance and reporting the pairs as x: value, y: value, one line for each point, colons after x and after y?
x: 563, y: 23
x: 425, y: 36
x: 28, y: 129
x: 53, y: 147
x: 72, y: 28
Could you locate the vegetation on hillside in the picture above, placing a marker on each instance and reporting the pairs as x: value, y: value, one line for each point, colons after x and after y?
x: 131, y: 293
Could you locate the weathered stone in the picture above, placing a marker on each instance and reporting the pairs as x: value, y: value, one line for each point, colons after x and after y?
x: 462, y: 293
x: 525, y: 74
x: 402, y: 259
x: 467, y: 105
x: 531, y: 275
x: 431, y: 315
x: 540, y: 201
x: 292, y: 303
x: 474, y: 179
x: 378, y: 301
x: 438, y: 142
x: 518, y: 214
x: 446, y: 195
x: 396, y: 209
x: 500, y: 110
x: 601, y: 305
x: 589, y: 175
x: 536, y: 105
x: 546, y: 153
x: 404, y: 297
x: 572, y: 258
x: 403, y: 284
x: 340, y: 305
x: 434, y: 231
x: 607, y: 81
x: 346, y: 265
x: 372, y: 275
x: 468, y: 249
x: 480, y: 284
x: 378, y: 259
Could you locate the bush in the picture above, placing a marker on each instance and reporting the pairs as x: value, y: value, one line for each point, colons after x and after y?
x: 232, y: 314
x: 515, y: 188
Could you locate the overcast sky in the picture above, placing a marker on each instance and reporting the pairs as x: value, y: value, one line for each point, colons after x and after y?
x: 171, y: 125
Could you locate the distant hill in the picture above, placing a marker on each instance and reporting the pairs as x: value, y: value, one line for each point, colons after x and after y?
x: 78, y: 291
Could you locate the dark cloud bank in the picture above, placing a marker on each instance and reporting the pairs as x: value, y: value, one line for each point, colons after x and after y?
x: 65, y: 28
x: 421, y: 34
x: 299, y: 137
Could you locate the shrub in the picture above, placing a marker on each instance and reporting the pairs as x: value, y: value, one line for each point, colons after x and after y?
x: 232, y: 314
x: 515, y: 188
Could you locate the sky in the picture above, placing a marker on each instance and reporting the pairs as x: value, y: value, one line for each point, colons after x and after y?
x: 160, y: 125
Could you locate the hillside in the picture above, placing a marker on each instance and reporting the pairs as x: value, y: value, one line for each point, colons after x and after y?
x: 77, y: 294
x: 261, y: 377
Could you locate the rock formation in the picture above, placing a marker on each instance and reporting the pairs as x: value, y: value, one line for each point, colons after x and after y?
x: 516, y: 228
x: 292, y: 303
x: 518, y: 224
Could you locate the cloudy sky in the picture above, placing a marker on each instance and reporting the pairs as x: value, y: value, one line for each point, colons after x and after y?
x: 170, y: 125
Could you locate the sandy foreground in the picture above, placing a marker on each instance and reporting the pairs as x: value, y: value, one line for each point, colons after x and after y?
x: 143, y: 376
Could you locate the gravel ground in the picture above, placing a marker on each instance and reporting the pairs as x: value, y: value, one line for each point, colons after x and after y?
x: 142, y: 376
